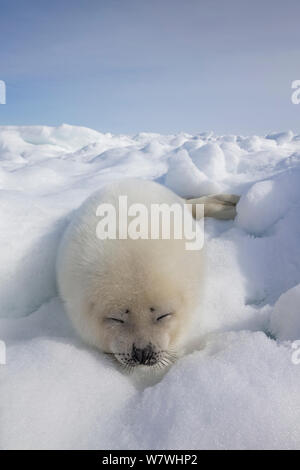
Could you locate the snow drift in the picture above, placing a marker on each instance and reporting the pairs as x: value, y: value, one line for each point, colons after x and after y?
x: 238, y: 387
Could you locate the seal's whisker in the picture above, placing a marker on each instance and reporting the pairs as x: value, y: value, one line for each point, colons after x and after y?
x: 172, y: 355
x: 165, y: 362
x: 161, y: 364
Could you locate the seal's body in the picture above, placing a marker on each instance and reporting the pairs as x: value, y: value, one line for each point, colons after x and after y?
x: 133, y: 298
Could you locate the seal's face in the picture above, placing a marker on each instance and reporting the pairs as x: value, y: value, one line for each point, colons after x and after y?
x: 144, y: 336
x: 139, y: 304
x: 147, y: 329
x: 145, y: 319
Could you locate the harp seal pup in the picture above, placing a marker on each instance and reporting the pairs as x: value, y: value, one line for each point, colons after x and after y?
x: 133, y: 299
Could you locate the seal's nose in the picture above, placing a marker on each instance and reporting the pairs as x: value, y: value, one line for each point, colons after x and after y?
x: 143, y: 356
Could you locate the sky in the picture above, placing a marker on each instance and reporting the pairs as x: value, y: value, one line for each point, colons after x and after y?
x: 128, y: 66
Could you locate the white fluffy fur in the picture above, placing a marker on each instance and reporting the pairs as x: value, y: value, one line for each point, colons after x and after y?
x: 100, y: 279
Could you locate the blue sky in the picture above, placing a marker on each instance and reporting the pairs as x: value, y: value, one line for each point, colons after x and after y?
x: 126, y: 66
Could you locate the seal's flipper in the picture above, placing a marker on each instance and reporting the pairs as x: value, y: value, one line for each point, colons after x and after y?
x: 218, y: 206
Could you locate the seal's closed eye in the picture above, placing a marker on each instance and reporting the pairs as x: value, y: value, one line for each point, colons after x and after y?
x: 118, y: 320
x: 164, y: 316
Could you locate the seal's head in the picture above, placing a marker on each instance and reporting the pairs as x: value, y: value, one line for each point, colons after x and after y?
x: 144, y: 325
x: 141, y: 335
x: 140, y: 310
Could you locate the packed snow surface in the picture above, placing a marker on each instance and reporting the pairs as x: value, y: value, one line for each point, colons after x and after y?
x: 239, y: 387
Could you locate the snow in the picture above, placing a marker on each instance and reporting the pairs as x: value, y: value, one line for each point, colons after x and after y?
x: 285, y: 318
x: 238, y: 387
x: 185, y: 179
